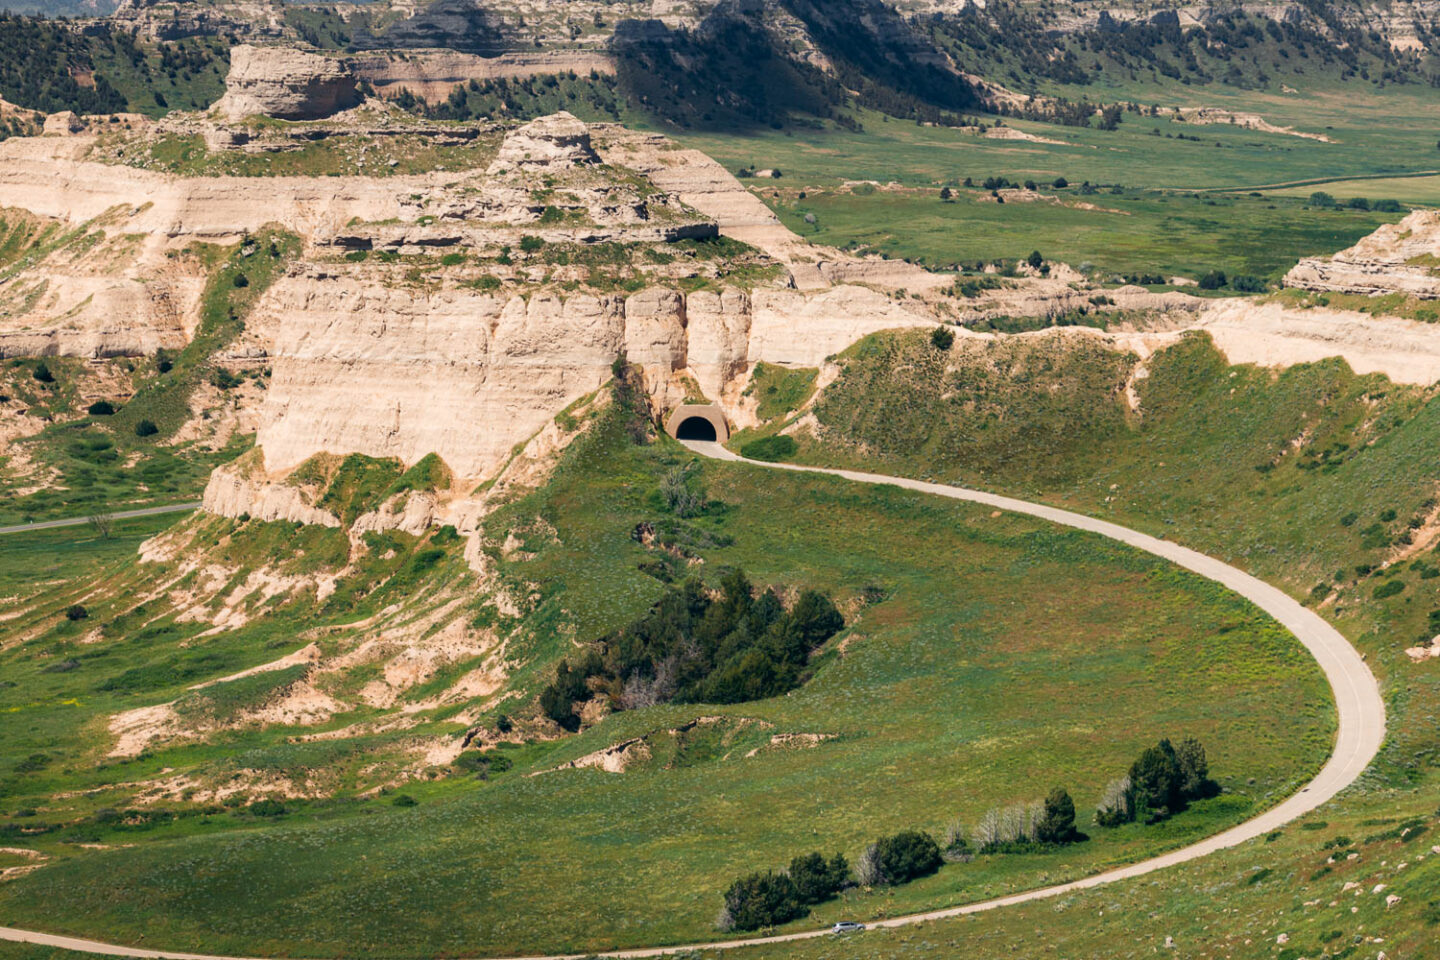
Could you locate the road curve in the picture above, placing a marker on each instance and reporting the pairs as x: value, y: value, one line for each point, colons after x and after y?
x: 118, y: 515
x: 1360, y: 729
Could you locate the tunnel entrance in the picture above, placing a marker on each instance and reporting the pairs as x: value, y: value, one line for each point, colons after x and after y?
x: 695, y: 428
x: 697, y: 421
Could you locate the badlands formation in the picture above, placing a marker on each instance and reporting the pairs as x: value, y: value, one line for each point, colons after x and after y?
x: 1401, y: 258
x: 456, y: 311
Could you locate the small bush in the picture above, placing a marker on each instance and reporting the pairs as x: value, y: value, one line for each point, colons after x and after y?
x: 770, y: 449
x: 223, y: 379
x: 942, y: 339
x: 1213, y: 280
x: 267, y: 808
x: 1057, y: 821
x: 404, y: 800
x: 817, y: 879
x: 42, y: 373
x: 531, y: 243
x: 76, y: 612
x: 33, y: 763
x: 452, y: 259
x: 146, y: 428
x: 1245, y: 283
x: 682, y: 491
x: 100, y: 408
x: 1389, y: 588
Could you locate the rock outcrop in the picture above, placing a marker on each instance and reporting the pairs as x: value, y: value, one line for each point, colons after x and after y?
x: 431, y: 74
x: 360, y: 366
x: 1399, y: 257
x: 286, y: 84
x: 557, y: 141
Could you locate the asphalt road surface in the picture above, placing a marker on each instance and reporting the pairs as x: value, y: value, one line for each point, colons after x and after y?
x: 118, y: 515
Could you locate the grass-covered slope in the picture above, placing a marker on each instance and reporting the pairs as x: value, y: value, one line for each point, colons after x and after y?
x: 1314, y: 478
x: 925, y: 710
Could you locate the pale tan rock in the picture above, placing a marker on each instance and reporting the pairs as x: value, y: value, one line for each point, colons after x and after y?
x: 231, y: 493
x: 63, y: 124
x: 791, y: 327
x: 718, y: 338
x: 432, y: 74
x: 556, y: 141
x: 1399, y: 257
x: 402, y: 373
x: 1271, y: 334
x: 286, y: 84
x: 655, y: 331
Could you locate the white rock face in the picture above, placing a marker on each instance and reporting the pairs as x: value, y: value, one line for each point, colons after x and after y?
x: 361, y: 367
x: 559, y: 140
x: 232, y: 493
x: 1272, y: 335
x: 718, y: 338
x: 1399, y: 257
x: 403, y: 373
x: 285, y: 83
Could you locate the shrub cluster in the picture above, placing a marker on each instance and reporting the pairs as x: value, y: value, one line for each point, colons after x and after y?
x: 1161, y: 782
x: 690, y: 648
x: 769, y: 899
x: 899, y: 859
x: 772, y: 449
x: 1020, y: 828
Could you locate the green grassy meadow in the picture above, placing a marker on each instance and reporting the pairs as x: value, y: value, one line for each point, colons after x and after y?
x: 929, y: 709
x: 1156, y: 224
x: 1130, y: 232
x: 1421, y: 191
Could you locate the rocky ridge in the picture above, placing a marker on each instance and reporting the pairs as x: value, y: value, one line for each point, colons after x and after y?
x: 1401, y: 258
x: 286, y: 83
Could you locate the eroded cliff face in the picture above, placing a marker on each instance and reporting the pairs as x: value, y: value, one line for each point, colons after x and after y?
x: 1401, y: 257
x: 362, y: 367
x: 287, y: 84
x: 403, y: 373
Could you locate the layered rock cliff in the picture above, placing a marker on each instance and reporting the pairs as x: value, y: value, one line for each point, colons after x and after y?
x: 1402, y: 257
x: 287, y: 84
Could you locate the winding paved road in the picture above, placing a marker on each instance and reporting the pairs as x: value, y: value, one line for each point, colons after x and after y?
x: 1361, y: 724
x: 118, y: 515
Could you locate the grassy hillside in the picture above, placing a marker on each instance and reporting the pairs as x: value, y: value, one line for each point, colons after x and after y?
x: 925, y: 705
x: 49, y: 67
x: 1316, y: 479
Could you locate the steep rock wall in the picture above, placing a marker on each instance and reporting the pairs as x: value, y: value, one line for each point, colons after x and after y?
x: 403, y: 373
x: 47, y: 176
x: 393, y: 372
